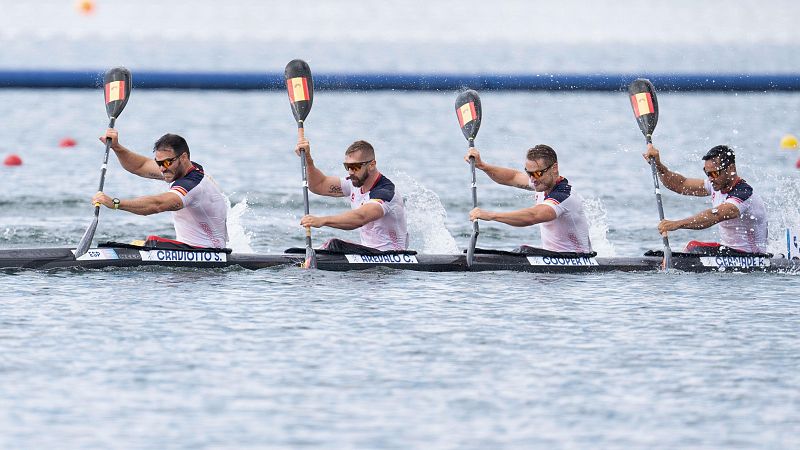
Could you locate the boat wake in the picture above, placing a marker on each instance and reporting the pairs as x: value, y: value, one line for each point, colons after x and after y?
x: 238, y: 238
x: 426, y: 216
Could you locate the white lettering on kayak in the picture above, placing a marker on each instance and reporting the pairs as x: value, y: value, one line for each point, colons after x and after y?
x: 562, y: 261
x: 382, y: 259
x: 98, y: 254
x: 183, y: 256
x: 744, y: 262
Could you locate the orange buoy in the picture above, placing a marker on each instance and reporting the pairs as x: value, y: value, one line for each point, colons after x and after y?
x: 86, y: 7
x: 67, y: 142
x: 12, y: 160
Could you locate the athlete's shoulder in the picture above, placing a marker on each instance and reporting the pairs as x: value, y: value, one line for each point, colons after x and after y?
x: 741, y: 191
x: 560, y: 192
x: 189, y: 181
x: 383, y: 190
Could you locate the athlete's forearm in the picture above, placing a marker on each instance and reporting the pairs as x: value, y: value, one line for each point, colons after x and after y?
x: 349, y: 220
x: 701, y: 221
x: 151, y: 204
x: 520, y: 218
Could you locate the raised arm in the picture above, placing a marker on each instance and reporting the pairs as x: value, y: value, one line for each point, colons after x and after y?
x: 673, y: 180
x: 318, y: 182
x: 500, y: 175
x: 130, y: 161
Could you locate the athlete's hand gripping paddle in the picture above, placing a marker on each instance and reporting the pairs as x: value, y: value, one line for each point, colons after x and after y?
x: 468, y: 111
x: 118, y: 85
x: 645, y: 109
x: 301, y: 94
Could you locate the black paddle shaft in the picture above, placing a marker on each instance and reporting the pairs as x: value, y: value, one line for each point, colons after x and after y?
x: 304, y: 168
x: 645, y: 108
x: 117, y: 88
x: 469, y: 113
x: 104, y: 167
x: 474, y: 181
x: 300, y: 87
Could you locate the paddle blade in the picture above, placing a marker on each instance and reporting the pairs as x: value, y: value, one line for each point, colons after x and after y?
x: 301, y: 88
x: 311, y: 259
x: 645, y: 105
x: 86, y: 240
x: 468, y: 111
x: 118, y: 85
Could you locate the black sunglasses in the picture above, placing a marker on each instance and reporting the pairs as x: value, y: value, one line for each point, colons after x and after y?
x: 356, y: 166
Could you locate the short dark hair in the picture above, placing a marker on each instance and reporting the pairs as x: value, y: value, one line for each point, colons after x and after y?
x: 543, y: 152
x: 361, y: 146
x: 724, y: 153
x: 174, y: 142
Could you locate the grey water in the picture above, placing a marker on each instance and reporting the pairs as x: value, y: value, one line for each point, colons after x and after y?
x: 287, y: 358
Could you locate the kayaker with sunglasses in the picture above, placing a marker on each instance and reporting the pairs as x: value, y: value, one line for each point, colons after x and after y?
x: 377, y: 208
x: 199, y: 207
x: 558, y: 209
x: 740, y: 213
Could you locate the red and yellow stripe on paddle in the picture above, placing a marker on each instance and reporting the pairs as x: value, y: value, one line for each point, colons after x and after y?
x: 466, y: 113
x: 298, y: 89
x: 115, y: 90
x: 642, y: 104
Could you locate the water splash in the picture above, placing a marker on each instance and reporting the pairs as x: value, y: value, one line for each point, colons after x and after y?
x: 238, y: 238
x: 598, y: 226
x: 426, y: 216
x: 784, y: 212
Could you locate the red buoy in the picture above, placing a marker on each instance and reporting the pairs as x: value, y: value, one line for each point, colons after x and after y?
x: 67, y: 142
x: 12, y: 160
x: 797, y: 164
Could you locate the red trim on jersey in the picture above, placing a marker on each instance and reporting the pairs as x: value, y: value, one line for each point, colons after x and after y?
x: 180, y: 190
x: 737, y: 181
x: 380, y: 175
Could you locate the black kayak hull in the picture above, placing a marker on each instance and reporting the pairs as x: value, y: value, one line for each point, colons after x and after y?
x: 98, y: 258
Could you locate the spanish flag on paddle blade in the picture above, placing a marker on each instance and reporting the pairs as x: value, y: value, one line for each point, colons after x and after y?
x: 115, y: 91
x: 298, y: 89
x: 642, y: 104
x: 466, y: 113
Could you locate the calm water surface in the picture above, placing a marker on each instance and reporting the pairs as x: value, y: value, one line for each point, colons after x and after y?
x: 385, y: 359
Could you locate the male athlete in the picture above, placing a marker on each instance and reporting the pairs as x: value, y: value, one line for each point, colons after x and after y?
x: 740, y: 212
x: 199, y: 208
x: 558, y: 209
x: 377, y: 208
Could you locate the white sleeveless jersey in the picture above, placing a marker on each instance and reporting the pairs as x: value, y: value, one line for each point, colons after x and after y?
x: 202, y: 221
x: 390, y: 231
x: 748, y: 232
x: 569, y: 231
